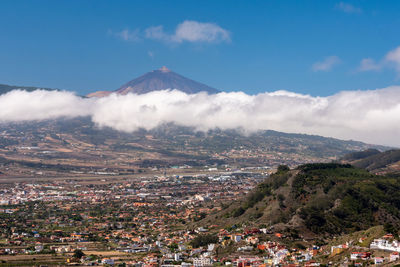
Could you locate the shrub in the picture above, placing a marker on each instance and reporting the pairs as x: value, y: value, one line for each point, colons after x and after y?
x: 203, y: 240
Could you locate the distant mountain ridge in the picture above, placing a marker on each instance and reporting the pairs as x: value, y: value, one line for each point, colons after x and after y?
x: 5, y: 88
x: 168, y: 145
x: 157, y: 80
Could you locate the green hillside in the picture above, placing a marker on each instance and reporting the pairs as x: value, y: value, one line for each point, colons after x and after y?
x: 380, y: 160
x: 361, y: 154
x: 321, y: 199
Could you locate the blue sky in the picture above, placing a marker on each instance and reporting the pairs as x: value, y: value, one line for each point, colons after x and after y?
x: 310, y: 47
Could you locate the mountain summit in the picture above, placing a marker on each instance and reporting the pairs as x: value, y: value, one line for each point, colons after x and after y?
x: 157, y: 80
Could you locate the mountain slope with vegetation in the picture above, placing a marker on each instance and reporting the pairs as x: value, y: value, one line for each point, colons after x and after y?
x: 325, y: 199
x: 375, y: 161
x: 361, y: 154
x: 76, y: 142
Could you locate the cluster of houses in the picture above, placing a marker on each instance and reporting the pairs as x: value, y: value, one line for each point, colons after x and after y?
x: 172, y: 249
x: 176, y: 249
x: 134, y: 219
x: 387, y: 244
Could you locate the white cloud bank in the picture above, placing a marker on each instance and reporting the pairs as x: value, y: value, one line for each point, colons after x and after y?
x: 20, y: 105
x: 371, y: 116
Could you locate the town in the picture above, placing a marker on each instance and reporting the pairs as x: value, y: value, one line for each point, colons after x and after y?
x: 153, y: 221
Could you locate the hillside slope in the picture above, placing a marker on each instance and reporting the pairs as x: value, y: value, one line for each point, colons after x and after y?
x: 361, y: 154
x: 375, y: 161
x: 172, y: 144
x: 69, y: 146
x: 317, y: 199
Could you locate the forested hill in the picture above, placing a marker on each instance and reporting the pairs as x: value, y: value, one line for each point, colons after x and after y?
x: 376, y: 161
x: 317, y: 199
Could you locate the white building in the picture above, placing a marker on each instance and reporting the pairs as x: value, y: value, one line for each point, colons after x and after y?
x: 177, y: 257
x: 385, y: 245
x: 200, y: 262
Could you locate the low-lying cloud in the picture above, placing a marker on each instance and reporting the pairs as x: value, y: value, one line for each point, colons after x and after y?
x: 20, y: 105
x: 372, y: 116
